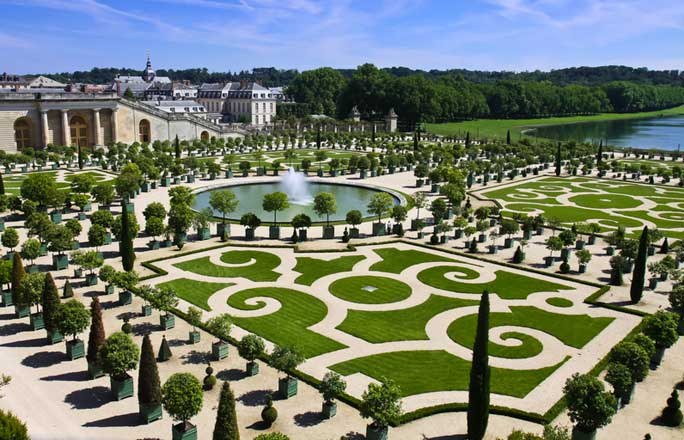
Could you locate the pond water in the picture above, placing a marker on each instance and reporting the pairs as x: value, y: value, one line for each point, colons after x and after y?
x: 664, y: 133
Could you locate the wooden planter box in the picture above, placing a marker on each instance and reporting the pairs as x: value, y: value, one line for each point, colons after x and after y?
x: 150, y: 413
x: 194, y: 337
x: 21, y: 311
x: 91, y: 279
x: 379, y: 229
x: 109, y: 289
x: 287, y: 387
x: 219, y: 350
x: 376, y: 433
x: 203, y: 234
x: 249, y: 234
x: 7, y: 299
x: 328, y: 232
x: 54, y: 337
x: 252, y: 368
x: 81, y: 215
x: 56, y: 217
x: 353, y: 232
x: 60, y: 262
x: 36, y: 321
x: 274, y: 232
x: 184, y: 431
x: 153, y: 245
x: 125, y: 297
x: 121, y: 388
x: 94, y: 370
x: 108, y: 238
x: 329, y: 409
x: 167, y: 322
x: 75, y: 349
x: 146, y: 310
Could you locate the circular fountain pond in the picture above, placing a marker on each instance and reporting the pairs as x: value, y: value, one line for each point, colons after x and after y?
x: 251, y: 196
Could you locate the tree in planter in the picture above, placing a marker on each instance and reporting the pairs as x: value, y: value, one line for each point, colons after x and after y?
x: 286, y: 359
x: 126, y: 244
x: 31, y: 290
x: 438, y: 208
x: 30, y: 250
x: 250, y: 348
x: 632, y: 356
x: 10, y: 238
x: 661, y: 327
x: 220, y: 326
x: 331, y: 386
x: 96, y: 339
x: 149, y: 385
x: 201, y: 221
x: 72, y: 319
x: 420, y: 202
x: 163, y: 298
x: 638, y: 277
x: 509, y: 227
x: 103, y: 194
x: 381, y: 403
x: 553, y: 244
x: 251, y: 221
x: 325, y: 204
x: 589, y: 406
x: 182, y: 397
x: 60, y: 239
x: 301, y: 222
x: 128, y: 181
x: 50, y: 303
x: 107, y: 275
x: 354, y: 218
x: 226, y: 427
x: 379, y: 204
x: 180, y: 220
x: 119, y: 354
x: 274, y: 202
x: 74, y: 226
x: 620, y: 378
x: 154, y: 209
x: 567, y: 237
x: 584, y: 257
x: 102, y: 218
x: 478, y: 394
x: 91, y: 260
x: 154, y: 227
x: 224, y: 202
x: 672, y: 414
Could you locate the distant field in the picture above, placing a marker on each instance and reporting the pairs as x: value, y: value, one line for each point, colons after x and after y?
x: 497, y: 128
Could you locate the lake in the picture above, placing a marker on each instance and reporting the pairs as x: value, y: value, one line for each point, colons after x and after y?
x: 664, y: 133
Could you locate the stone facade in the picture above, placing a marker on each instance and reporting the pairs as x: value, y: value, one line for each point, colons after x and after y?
x: 39, y: 119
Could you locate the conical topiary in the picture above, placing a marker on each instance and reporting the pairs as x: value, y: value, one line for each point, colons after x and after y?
x: 96, y: 337
x: 672, y: 414
x: 478, y: 390
x: 164, y: 351
x: 518, y: 256
x: 50, y: 303
x: 665, y: 247
x: 149, y: 385
x: 67, y: 291
x: 226, y: 420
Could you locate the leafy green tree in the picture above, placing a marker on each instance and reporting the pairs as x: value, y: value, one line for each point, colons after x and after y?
x: 633, y: 357
x: 31, y: 289
x: 332, y: 386
x: 149, y: 385
x: 274, y: 202
x: 272, y: 436
x: 128, y: 181
x: 226, y: 427
x: 620, y: 377
x: 251, y: 347
x: 324, y: 205
x: 639, y: 275
x: 182, y: 396
x: 72, y: 318
x: 163, y: 298
x: 96, y: 337
x: 286, y: 359
x: 96, y: 236
x: 155, y: 209
x: 10, y: 238
x: 661, y: 327
x: 42, y: 189
x: 103, y: 194
x: 589, y: 406
x: 102, y: 218
x: 379, y: 204
x: 223, y: 201
x: 220, y: 326
x: 381, y: 403
x: 354, y: 217
x: 60, y: 239
x: 119, y: 354
x: 11, y: 427
x: 478, y: 392
x: 50, y: 303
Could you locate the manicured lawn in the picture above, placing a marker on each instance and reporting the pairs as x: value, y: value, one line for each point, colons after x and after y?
x: 370, y: 290
x: 260, y: 270
x: 289, y: 324
x: 195, y: 292
x: 559, y: 302
x: 498, y: 127
x: 419, y: 372
x: 398, y: 325
x: 312, y: 269
x: 395, y: 260
x: 507, y: 285
x: 573, y: 330
x: 603, y: 201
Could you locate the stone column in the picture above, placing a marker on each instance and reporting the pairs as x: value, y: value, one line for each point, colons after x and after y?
x: 66, y: 134
x: 44, y: 127
x: 97, y: 138
x: 115, y: 126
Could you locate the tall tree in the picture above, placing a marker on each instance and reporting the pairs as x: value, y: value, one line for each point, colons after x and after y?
x: 2, y: 185
x: 149, y: 385
x: 177, y: 147
x: 599, y: 155
x: 126, y: 243
x: 50, y: 302
x: 478, y: 392
x: 558, y: 160
x: 80, y: 157
x: 639, y: 275
x: 508, y: 137
x: 226, y: 419
x: 96, y: 337
x: 18, y: 274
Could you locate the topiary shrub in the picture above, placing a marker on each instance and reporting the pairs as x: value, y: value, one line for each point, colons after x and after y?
x: 209, y: 380
x: 272, y: 436
x: 126, y: 327
x: 11, y: 428
x: 269, y: 414
x: 672, y: 415
x: 518, y: 256
x: 565, y: 267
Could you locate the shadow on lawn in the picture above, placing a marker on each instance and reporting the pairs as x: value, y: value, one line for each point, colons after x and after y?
x: 43, y: 359
x: 88, y: 398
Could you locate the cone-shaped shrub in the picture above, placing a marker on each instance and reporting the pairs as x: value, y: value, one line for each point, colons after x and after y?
x: 226, y: 420
x: 164, y: 351
x: 639, y: 275
x: 50, y: 302
x: 126, y: 243
x: 67, y: 291
x: 665, y: 247
x: 96, y: 337
x: 149, y: 386
x: 519, y: 256
x: 478, y: 392
x: 672, y: 415
x: 18, y: 274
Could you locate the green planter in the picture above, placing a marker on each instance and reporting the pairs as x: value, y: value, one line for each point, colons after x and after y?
x: 36, y: 321
x: 60, y: 262
x: 328, y: 232
x: 54, y: 337
x: 249, y: 234
x: 376, y: 433
x: 56, y: 217
x: 94, y: 370
x: 329, y: 409
x: 252, y: 368
x: 7, y: 299
x: 125, y: 297
x: 78, y: 272
x: 108, y: 238
x: 203, y: 234
x: 274, y: 232
x: 153, y: 245
x: 193, y: 337
x: 75, y: 349
x: 146, y: 310
x: 121, y: 388
x: 149, y: 413
x: 91, y: 279
x: 109, y: 289
x: 166, y: 181
x: 577, y: 434
x: 219, y: 350
x: 21, y: 311
x: 379, y: 229
x: 223, y: 230
x: 2, y: 225
x: 287, y: 387
x: 81, y: 216
x: 184, y: 431
x: 130, y: 207
x: 167, y: 321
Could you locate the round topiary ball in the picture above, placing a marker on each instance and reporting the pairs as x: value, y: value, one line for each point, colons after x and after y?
x: 127, y: 327
x: 269, y: 414
x: 209, y: 370
x: 209, y: 382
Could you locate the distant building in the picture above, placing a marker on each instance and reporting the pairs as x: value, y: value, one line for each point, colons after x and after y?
x: 179, y: 107
x: 139, y: 84
x: 29, y: 82
x: 245, y: 102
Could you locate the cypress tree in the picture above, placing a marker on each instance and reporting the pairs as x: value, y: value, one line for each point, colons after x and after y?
x: 80, y: 158
x: 639, y: 274
x: 178, y: 148
x: 599, y: 155
x: 149, y: 388
x: 96, y: 336
x: 415, y: 141
x: 558, y: 160
x: 126, y: 243
x: 478, y: 391
x: 18, y: 274
x: 318, y: 138
x: 508, y: 137
x: 164, y: 351
x: 467, y: 139
x: 2, y: 185
x: 226, y: 420
x: 50, y: 302
x: 67, y: 291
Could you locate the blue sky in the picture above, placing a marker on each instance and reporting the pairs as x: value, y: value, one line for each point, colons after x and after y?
x: 64, y: 35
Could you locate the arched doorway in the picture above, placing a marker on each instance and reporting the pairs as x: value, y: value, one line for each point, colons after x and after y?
x: 79, y: 132
x: 204, y: 136
x: 144, y: 131
x: 22, y: 133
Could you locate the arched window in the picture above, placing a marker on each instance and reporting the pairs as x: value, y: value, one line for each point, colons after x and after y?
x: 79, y: 132
x: 144, y: 133
x: 22, y: 133
x: 204, y: 136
